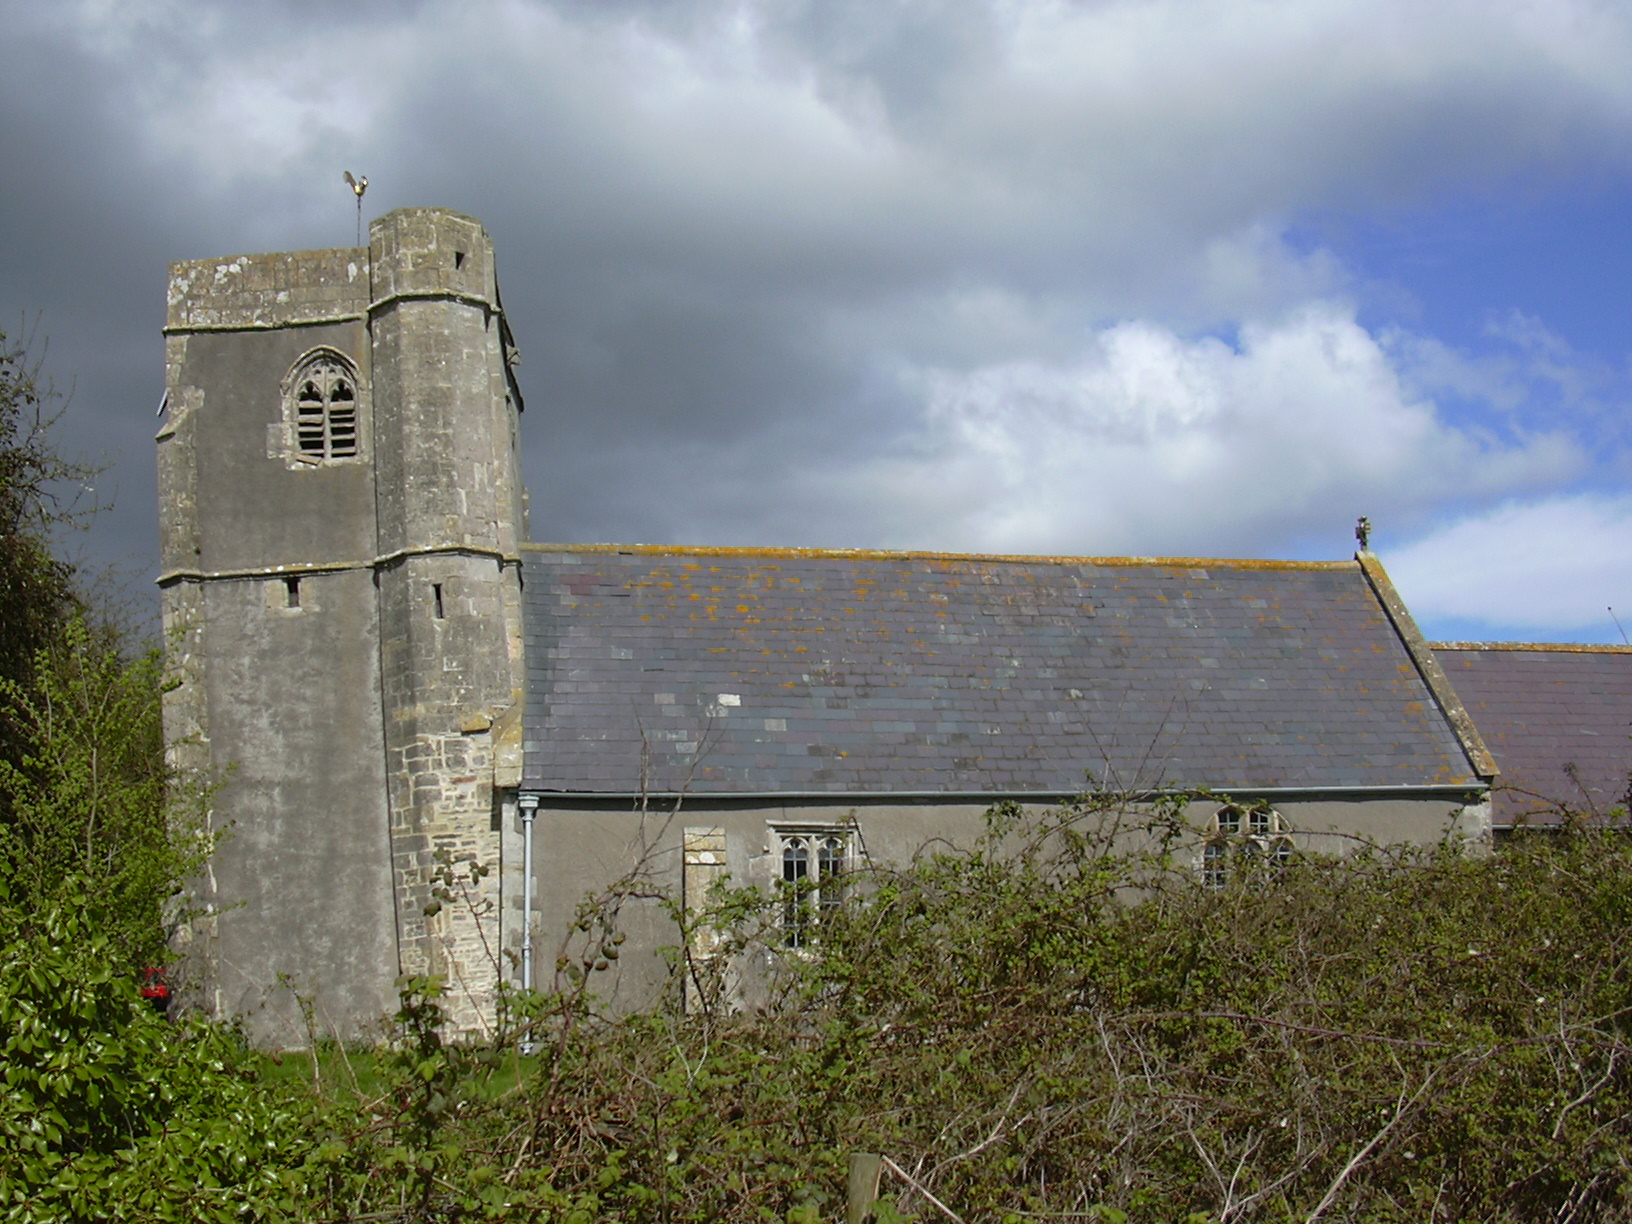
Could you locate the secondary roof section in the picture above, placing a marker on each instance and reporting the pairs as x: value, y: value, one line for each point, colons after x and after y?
x: 766, y: 672
x: 1557, y: 719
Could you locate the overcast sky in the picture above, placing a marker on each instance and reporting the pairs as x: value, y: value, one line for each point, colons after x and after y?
x: 1160, y: 277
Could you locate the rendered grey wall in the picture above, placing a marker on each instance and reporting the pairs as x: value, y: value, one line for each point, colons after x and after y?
x: 279, y: 703
x: 581, y: 846
x: 303, y: 878
x: 260, y: 511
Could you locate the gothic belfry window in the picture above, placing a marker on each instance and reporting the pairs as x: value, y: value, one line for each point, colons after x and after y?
x: 320, y: 403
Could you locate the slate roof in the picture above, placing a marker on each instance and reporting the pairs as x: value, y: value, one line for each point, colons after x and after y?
x: 802, y: 672
x: 1541, y: 709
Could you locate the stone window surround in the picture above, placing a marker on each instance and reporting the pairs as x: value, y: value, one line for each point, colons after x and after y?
x: 1239, y: 834
x: 337, y: 439
x: 814, y: 861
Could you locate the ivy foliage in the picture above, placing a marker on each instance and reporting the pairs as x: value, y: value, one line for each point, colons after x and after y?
x: 109, y: 1112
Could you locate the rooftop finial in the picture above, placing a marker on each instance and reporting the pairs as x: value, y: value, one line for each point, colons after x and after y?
x: 1362, y: 532
x: 358, y: 186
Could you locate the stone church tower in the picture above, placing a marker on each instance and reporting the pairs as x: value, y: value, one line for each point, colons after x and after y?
x: 341, y: 508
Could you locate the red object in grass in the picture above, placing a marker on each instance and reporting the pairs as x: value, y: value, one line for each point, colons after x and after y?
x: 155, y: 987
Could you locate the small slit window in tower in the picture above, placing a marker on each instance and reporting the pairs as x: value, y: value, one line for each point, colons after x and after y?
x: 291, y: 592
x: 436, y: 599
x: 458, y: 260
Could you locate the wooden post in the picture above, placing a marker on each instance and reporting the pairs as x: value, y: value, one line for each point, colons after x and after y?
x: 861, y: 1189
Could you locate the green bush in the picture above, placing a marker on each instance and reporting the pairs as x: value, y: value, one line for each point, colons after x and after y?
x: 111, y: 1113
x: 1061, y: 1024
x: 89, y: 800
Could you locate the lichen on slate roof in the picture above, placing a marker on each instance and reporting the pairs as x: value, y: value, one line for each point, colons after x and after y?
x: 666, y: 670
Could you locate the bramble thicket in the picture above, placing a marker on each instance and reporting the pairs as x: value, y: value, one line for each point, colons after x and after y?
x: 1050, y: 1026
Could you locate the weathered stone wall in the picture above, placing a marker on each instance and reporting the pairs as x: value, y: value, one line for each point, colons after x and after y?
x: 268, y: 596
x: 346, y: 631
x: 287, y: 289
x: 449, y: 590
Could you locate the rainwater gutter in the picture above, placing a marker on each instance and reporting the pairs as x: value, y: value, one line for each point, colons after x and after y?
x: 1398, y: 791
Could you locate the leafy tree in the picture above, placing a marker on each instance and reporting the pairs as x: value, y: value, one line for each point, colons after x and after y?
x: 37, y: 586
x: 91, y: 800
x: 85, y: 793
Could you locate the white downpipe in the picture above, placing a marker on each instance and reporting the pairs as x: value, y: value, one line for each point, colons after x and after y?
x: 529, y: 808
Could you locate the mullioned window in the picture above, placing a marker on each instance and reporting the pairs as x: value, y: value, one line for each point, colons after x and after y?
x: 1244, y: 841
x: 321, y: 409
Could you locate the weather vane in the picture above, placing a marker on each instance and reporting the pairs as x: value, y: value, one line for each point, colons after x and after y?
x: 358, y: 186
x: 1362, y: 532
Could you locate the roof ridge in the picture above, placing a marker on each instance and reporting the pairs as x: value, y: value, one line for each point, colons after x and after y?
x: 1558, y: 647
x: 887, y: 554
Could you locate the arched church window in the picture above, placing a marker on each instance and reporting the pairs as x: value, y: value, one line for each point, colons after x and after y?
x: 320, y: 399
x: 1244, y: 842
x: 814, y: 864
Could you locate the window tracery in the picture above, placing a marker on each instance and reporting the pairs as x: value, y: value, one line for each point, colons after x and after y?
x: 1241, y: 839
x: 321, y: 407
x: 814, y: 865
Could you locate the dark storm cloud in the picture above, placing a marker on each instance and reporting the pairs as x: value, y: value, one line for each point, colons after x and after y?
x: 970, y: 275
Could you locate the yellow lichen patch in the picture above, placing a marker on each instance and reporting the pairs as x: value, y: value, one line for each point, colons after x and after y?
x: 939, y: 559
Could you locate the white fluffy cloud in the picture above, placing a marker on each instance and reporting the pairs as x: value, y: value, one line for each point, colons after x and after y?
x: 1550, y: 565
x: 1150, y: 442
